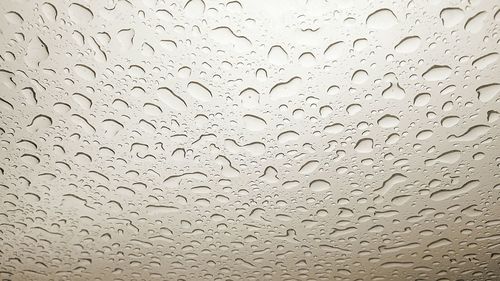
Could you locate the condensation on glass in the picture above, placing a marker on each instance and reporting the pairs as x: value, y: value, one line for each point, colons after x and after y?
x: 249, y: 140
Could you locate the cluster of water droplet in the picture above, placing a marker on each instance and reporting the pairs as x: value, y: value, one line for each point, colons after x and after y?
x: 251, y: 140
